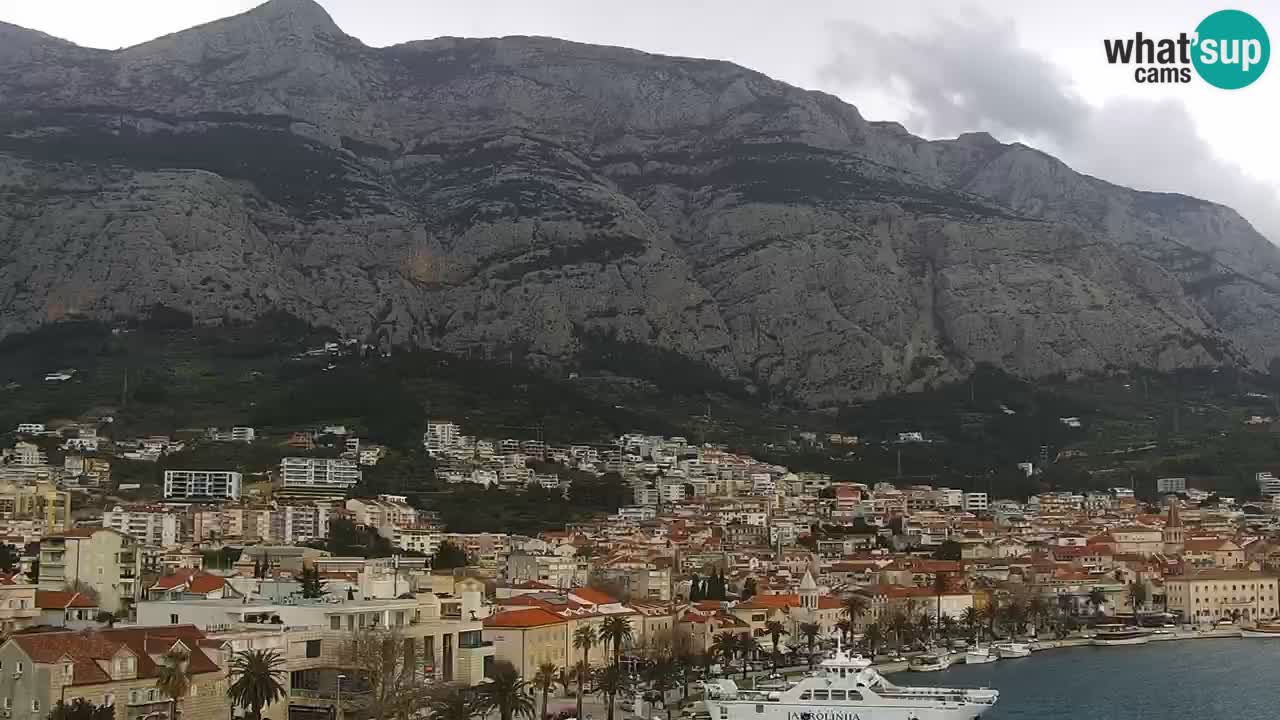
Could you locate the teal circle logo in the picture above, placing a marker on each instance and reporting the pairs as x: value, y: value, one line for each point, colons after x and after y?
x: 1232, y: 49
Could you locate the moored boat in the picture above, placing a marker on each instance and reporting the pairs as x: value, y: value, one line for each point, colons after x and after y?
x: 979, y: 656
x: 1009, y: 650
x: 930, y: 662
x: 1121, y: 635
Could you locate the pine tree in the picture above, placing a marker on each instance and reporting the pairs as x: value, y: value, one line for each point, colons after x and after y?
x: 695, y: 588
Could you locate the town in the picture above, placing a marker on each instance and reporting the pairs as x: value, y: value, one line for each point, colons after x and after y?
x: 715, y: 562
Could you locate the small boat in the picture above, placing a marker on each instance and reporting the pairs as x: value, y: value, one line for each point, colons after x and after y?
x: 1011, y: 650
x: 980, y: 656
x: 931, y: 662
x: 1121, y: 635
x: 1262, y: 630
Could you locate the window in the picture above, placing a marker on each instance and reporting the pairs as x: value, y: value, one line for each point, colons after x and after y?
x: 837, y: 694
x: 360, y: 622
x: 35, y: 706
x: 173, y: 619
x: 68, y: 670
x: 109, y: 699
x: 313, y: 648
x: 820, y: 695
x: 8, y: 703
x: 335, y: 623
x: 17, y: 668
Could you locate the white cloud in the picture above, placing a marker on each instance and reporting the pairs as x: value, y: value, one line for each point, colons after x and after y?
x: 961, y: 76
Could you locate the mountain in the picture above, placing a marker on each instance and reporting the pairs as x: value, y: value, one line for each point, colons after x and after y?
x: 535, y: 198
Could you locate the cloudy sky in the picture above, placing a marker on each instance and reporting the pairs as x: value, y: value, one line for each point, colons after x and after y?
x: 1030, y: 71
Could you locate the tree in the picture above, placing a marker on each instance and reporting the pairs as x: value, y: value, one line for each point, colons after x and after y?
x: 853, y: 606
x: 311, y: 583
x: 173, y: 678
x: 1037, y: 609
x: 615, y: 632
x: 584, y: 638
x: 947, y: 625
x: 1097, y: 598
x: 377, y: 661
x: 106, y: 618
x: 989, y: 614
x: 258, y: 680
x: 775, y: 630
x: 900, y: 624
x: 610, y: 681
x: 925, y: 623
x: 873, y: 635
x: 1015, y: 616
x: 564, y: 678
x: 448, y: 556
x: 1137, y: 597
x: 544, y: 680
x: 664, y: 676
x: 725, y: 646
x: 809, y: 631
x: 451, y: 702
x: 80, y: 709
x: 748, y: 588
x: 506, y: 693
x: 846, y: 630
x: 696, y: 592
x: 949, y: 550
x: 971, y: 619
x: 9, y: 558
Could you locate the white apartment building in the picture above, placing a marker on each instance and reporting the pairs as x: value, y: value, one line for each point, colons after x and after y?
x: 148, y: 525
x: 976, y: 502
x: 425, y: 540
x: 637, y: 513
x: 30, y: 428
x: 1268, y: 484
x: 202, y: 485
x: 385, y: 511
x: 1171, y: 485
x: 441, y: 435
x: 319, y: 473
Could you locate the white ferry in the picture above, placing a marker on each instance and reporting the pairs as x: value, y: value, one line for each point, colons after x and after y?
x: 846, y: 687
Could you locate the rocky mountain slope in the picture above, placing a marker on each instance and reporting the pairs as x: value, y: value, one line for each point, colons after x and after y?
x: 525, y: 194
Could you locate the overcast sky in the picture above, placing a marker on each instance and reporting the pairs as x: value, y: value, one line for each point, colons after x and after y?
x: 1030, y: 71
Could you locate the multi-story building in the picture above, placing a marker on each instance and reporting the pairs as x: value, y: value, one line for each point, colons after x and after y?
x: 202, y: 485
x: 1211, y: 595
x: 112, y: 667
x: 105, y: 560
x: 318, y: 477
x: 18, y: 609
x: 424, y: 539
x: 41, y: 502
x: 976, y: 502
x: 441, y: 435
x: 386, y: 511
x: 1171, y: 485
x: 147, y: 524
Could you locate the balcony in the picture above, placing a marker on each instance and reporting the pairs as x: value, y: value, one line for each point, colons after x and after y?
x: 475, y: 644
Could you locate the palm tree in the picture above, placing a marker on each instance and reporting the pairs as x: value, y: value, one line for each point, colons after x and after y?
x: 775, y: 629
x: 1137, y: 597
x: 664, y: 676
x: 1037, y: 609
x: 451, y: 702
x: 853, y: 607
x: 725, y: 645
x: 615, y: 631
x: 925, y: 623
x: 508, y: 694
x: 1015, y: 616
x: 900, y: 624
x: 609, y: 682
x: 1097, y: 598
x: 948, y: 626
x: 940, y: 586
x: 584, y: 638
x: 971, y: 620
x: 810, y: 633
x: 258, y: 680
x: 545, y: 680
x: 873, y: 635
x: 173, y: 678
x: 989, y: 614
x: 846, y: 630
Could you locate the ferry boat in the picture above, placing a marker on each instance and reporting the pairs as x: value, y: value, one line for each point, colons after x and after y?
x: 1121, y: 635
x: 930, y: 662
x: 1008, y: 650
x: 846, y: 687
x: 1262, y: 630
x: 980, y: 656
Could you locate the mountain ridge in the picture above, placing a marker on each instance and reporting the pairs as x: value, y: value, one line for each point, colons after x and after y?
x: 521, y: 193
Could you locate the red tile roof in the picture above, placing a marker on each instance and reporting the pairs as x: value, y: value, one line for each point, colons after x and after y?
x: 593, y: 596
x: 62, y: 599
x: 86, y: 648
x: 195, y: 581
x: 523, y: 618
